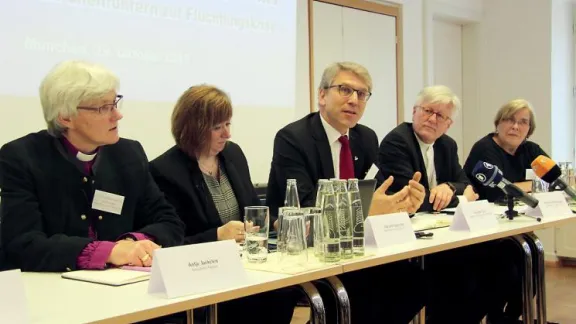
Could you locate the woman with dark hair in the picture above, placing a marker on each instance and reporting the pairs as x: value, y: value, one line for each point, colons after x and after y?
x: 206, y: 178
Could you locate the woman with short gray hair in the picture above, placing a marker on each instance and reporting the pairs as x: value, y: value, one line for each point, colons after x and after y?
x: 77, y: 196
x: 507, y: 148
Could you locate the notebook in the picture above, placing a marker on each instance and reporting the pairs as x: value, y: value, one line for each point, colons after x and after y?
x: 111, y: 277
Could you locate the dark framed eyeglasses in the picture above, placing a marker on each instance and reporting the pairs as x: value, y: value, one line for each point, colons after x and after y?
x: 429, y: 112
x: 105, y: 109
x: 347, y: 91
x: 521, y: 122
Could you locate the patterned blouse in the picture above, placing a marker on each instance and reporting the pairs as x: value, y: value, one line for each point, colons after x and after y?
x: 223, y: 196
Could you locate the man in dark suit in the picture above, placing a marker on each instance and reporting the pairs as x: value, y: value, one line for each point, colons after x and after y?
x: 458, y: 291
x: 331, y: 144
x: 423, y: 146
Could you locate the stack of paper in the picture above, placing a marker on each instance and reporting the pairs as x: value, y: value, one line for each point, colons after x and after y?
x: 112, y: 277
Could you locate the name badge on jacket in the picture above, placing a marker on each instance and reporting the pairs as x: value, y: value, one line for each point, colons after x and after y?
x: 107, y: 202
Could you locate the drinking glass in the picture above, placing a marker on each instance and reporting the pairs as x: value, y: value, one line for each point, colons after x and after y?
x: 256, y: 226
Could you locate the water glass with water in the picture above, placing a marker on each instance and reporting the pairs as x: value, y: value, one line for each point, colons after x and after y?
x: 344, y: 217
x: 539, y: 185
x: 322, y: 188
x: 331, y: 228
x: 256, y: 226
x: 357, y: 217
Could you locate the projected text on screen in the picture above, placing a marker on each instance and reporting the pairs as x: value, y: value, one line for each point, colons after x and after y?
x: 159, y: 48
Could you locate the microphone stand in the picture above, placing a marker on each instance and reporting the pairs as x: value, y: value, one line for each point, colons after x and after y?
x: 511, y: 213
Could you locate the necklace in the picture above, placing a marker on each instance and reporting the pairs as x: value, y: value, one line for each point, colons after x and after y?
x: 209, y: 169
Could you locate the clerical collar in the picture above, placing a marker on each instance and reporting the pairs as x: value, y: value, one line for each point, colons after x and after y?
x: 79, y: 155
x: 86, y: 157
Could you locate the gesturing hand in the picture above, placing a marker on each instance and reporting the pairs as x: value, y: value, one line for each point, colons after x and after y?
x: 387, y: 204
x: 417, y: 193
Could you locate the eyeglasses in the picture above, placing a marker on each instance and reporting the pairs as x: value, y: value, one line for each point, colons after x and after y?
x: 105, y: 109
x: 511, y: 121
x: 429, y: 112
x: 346, y: 91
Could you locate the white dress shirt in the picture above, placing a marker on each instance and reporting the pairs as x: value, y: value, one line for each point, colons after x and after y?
x: 427, y: 151
x: 335, y: 146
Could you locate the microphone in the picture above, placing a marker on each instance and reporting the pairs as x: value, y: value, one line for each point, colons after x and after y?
x: 491, y: 176
x: 548, y: 170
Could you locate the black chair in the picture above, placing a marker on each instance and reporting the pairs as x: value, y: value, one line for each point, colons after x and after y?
x: 3, y: 263
x: 261, y: 192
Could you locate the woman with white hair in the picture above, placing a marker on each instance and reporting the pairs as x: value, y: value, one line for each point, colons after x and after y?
x: 77, y: 196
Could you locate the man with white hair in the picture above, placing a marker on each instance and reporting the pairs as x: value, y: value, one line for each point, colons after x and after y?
x: 424, y: 146
x: 77, y: 196
x: 460, y: 290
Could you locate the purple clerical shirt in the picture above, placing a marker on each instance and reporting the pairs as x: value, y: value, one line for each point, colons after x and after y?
x: 96, y: 253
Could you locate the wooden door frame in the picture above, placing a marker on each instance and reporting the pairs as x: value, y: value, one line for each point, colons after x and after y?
x: 378, y: 8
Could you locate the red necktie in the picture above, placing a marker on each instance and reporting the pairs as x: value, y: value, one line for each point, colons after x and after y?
x: 346, y: 166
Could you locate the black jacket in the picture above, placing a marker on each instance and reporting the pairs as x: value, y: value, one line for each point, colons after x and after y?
x: 47, y: 201
x: 400, y: 156
x: 181, y: 180
x: 302, y: 152
x: 513, y: 166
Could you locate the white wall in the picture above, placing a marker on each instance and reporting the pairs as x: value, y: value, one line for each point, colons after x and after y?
x: 448, y: 70
x: 413, y: 49
x: 562, y: 80
x: 514, y: 61
x: 501, y: 60
x: 302, y: 59
x: 417, y: 22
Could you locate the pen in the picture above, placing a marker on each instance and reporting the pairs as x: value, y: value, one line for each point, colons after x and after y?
x: 423, y: 235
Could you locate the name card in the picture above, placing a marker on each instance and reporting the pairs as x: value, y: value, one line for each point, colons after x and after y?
x: 530, y: 175
x: 474, y: 216
x: 108, y: 202
x: 385, y: 230
x: 13, y: 306
x: 196, y: 268
x: 550, y: 204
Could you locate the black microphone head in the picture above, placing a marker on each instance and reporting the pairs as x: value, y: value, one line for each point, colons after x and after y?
x: 553, y: 174
x: 487, y: 174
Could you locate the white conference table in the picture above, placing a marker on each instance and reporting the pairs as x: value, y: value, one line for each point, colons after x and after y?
x: 446, y: 239
x: 52, y: 299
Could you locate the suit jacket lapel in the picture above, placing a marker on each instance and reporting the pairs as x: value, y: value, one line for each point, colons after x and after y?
x: 236, y: 183
x: 202, y: 190
x: 188, y: 176
x: 357, y: 154
x: 415, y: 148
x: 323, y: 147
x: 439, y: 163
